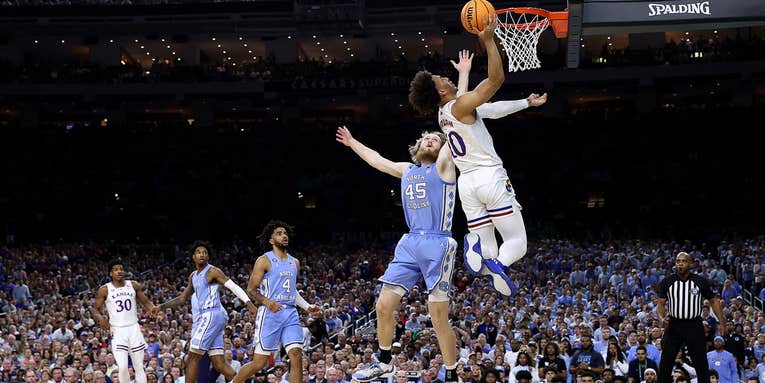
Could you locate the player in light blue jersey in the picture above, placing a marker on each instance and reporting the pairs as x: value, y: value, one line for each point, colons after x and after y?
x: 209, y: 324
x: 273, y: 284
x: 428, y: 192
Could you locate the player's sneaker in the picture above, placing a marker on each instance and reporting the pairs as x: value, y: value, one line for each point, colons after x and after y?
x: 499, y: 278
x: 373, y: 371
x: 472, y: 253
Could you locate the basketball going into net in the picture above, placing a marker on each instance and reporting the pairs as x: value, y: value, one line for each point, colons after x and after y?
x: 474, y: 13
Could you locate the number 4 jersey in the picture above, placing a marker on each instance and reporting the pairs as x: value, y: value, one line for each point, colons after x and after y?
x: 279, y: 282
x: 121, y: 304
x: 471, y: 144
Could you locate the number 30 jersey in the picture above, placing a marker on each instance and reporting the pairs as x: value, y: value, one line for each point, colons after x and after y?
x: 428, y: 200
x: 279, y: 281
x: 471, y: 145
x: 121, y: 305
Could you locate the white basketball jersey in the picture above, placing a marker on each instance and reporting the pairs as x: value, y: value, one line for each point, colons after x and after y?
x: 471, y: 145
x: 121, y: 304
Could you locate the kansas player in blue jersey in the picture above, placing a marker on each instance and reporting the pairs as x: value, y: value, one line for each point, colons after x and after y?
x: 273, y: 285
x: 428, y: 197
x: 210, y: 319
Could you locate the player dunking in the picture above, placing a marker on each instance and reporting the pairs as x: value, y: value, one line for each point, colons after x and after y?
x: 428, y: 251
x: 273, y: 284
x: 488, y: 198
x: 210, y: 323
x: 120, y: 296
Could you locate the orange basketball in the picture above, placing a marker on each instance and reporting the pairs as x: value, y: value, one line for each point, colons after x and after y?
x: 473, y: 14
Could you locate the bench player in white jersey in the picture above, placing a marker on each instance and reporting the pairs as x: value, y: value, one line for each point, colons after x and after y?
x: 488, y: 198
x: 120, y: 296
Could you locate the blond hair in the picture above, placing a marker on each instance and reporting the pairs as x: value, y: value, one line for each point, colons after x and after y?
x: 413, y: 149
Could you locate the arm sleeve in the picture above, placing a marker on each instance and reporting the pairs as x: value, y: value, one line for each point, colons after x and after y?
x: 501, y: 109
x: 300, y: 302
x: 231, y: 285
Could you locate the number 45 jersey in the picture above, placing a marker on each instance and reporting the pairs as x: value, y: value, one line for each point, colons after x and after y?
x: 428, y: 200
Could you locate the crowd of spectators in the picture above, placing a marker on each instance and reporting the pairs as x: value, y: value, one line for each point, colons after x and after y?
x: 321, y: 73
x: 584, y: 309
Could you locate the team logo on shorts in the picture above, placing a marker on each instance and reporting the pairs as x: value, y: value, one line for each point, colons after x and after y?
x: 443, y: 286
x: 509, y: 186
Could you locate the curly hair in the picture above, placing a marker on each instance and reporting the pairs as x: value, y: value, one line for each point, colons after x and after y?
x: 271, y: 226
x: 204, y: 244
x: 423, y: 94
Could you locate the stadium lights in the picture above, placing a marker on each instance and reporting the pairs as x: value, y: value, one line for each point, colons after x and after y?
x: 213, y: 39
x: 36, y: 41
x: 289, y: 36
x: 63, y: 41
x: 163, y: 40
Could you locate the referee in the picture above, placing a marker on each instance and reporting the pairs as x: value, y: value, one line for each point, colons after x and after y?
x: 685, y: 292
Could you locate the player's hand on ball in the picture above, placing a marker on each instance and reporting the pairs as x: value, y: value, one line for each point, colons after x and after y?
x: 466, y: 61
x: 537, y: 100
x: 273, y: 306
x: 314, y: 310
x: 487, y: 34
x: 344, y: 136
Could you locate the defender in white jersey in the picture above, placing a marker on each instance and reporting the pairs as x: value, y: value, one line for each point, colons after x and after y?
x: 487, y: 196
x: 120, y: 296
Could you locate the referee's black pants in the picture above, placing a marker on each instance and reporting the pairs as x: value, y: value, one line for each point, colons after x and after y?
x: 691, y: 333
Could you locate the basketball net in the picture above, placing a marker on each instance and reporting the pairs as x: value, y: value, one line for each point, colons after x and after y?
x: 519, y: 34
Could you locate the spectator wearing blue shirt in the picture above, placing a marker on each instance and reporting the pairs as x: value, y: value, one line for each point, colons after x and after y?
x: 723, y: 362
x: 653, y: 352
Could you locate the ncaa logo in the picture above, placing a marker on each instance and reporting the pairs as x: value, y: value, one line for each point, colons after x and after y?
x: 695, y: 291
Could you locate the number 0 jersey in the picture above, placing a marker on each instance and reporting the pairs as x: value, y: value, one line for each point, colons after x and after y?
x: 279, y: 281
x: 471, y: 145
x: 121, y: 304
x: 428, y: 200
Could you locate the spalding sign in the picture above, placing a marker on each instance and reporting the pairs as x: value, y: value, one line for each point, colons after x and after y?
x: 701, y: 8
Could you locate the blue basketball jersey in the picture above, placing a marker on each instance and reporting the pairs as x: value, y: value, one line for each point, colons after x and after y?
x: 279, y: 282
x: 428, y: 200
x: 208, y: 294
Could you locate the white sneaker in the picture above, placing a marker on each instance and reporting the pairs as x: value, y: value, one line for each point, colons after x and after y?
x: 472, y: 253
x: 373, y: 371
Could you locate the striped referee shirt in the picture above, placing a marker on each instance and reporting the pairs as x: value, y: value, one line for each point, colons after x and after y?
x: 685, y: 297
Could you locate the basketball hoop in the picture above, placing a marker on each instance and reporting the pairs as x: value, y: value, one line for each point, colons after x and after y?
x: 519, y: 30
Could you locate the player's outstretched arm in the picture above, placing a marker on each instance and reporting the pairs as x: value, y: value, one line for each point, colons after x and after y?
x: 371, y: 157
x: 499, y: 109
x: 142, y: 299
x: 216, y: 275
x: 262, y: 265
x: 463, y: 68
x: 445, y: 164
x: 468, y: 102
x: 99, y: 306
x: 177, y: 301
